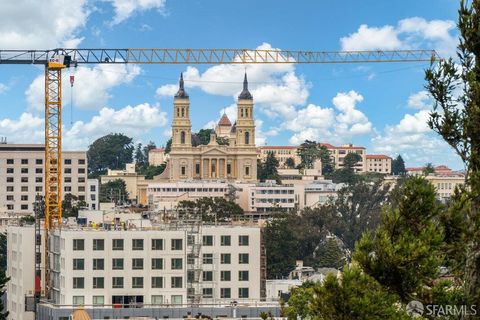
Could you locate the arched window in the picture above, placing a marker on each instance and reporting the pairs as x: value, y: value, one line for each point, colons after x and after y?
x: 183, y: 112
x: 247, y: 137
x: 182, y: 137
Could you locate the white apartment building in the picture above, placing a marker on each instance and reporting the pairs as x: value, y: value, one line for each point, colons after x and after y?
x: 22, y: 175
x: 379, y: 163
x: 167, y: 195
x: 93, y: 191
x: 266, y: 197
x: 319, y: 192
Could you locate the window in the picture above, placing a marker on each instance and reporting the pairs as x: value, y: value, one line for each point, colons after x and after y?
x: 82, y: 180
x: 137, y: 282
x: 247, y: 137
x: 67, y: 161
x: 176, y: 299
x: 157, y: 282
x: 24, y: 198
x: 182, y: 137
x: 10, y: 198
x: 157, y: 299
x: 157, y: 263
x: 229, y: 168
x: 137, y: 264
x: 225, y: 276
x: 24, y: 179
x: 225, y: 293
x: 225, y: 258
x: 207, y: 276
x: 243, y: 258
x: 176, y: 282
x: 225, y: 240
x: 67, y: 189
x: 208, y: 258
x: 207, y: 293
x: 207, y: 241
x: 98, y: 244
x: 81, y: 189
x: 78, y: 244
x: 9, y: 161
x: 67, y: 170
x: 38, y: 161
x: 183, y: 169
x: 157, y: 244
x: 117, y: 282
x: 242, y: 275
x: 78, y: 264
x: 10, y: 170
x: 78, y: 283
x: 9, y: 206
x: 137, y: 244
x: 98, y: 283
x: 117, y: 263
x: 24, y: 189
x: 38, y: 179
x: 247, y: 171
x: 24, y: 161
x: 98, y: 300
x: 81, y: 170
x: 24, y: 207
x: 177, y: 244
x: 243, y: 240
x: 78, y: 300
x: 67, y: 179
x: 98, y: 264
x: 9, y: 179
x: 242, y: 292
x: 9, y: 188
x: 81, y: 161
x: 177, y: 263
x: 117, y: 244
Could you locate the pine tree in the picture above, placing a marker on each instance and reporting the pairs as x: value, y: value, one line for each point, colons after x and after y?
x: 398, y: 166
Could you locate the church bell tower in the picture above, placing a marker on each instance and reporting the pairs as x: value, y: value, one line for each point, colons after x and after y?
x: 181, y: 125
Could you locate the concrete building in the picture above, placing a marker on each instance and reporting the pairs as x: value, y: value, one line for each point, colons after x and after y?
x: 282, y: 153
x: 167, y: 195
x: 379, y: 163
x: 236, y: 161
x: 22, y: 175
x: 131, y: 178
x: 339, y: 153
x: 266, y: 197
x: 93, y: 191
x: 319, y: 192
x: 157, y: 156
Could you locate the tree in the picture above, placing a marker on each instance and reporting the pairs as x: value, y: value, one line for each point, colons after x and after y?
x: 331, y: 254
x: 398, y: 166
x: 140, y: 157
x: 347, y: 173
x: 151, y: 171
x: 168, y: 146
x: 214, y: 209
x: 429, y: 168
x: 112, y: 151
x: 308, y: 152
x: 146, y: 150
x: 71, y: 205
x: 290, y: 163
x: 351, y: 160
x: 267, y: 170
x: 327, y: 163
x: 455, y: 90
x: 114, y: 191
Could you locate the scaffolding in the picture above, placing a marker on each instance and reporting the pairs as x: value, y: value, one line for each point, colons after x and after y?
x: 193, y: 223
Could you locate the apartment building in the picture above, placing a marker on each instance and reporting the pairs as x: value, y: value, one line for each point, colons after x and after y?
x: 282, y: 153
x: 93, y: 191
x: 338, y: 155
x: 379, y: 163
x: 22, y: 175
x: 266, y: 197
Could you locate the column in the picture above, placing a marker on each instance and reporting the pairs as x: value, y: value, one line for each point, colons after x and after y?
x: 201, y: 168
x: 225, y: 168
x: 209, y: 167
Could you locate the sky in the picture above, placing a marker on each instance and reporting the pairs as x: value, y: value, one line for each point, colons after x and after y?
x: 381, y: 106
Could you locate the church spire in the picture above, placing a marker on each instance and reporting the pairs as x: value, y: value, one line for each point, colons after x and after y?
x: 181, y: 93
x: 245, y: 94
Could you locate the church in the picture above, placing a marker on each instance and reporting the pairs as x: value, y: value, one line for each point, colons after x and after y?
x: 236, y: 161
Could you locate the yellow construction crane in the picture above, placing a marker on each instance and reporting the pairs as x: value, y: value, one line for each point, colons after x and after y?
x: 57, y: 59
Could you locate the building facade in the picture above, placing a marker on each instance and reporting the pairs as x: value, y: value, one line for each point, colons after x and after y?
x: 236, y: 161
x: 157, y: 156
x: 93, y: 192
x: 22, y: 175
x: 131, y: 178
x: 379, y: 163
x: 282, y: 153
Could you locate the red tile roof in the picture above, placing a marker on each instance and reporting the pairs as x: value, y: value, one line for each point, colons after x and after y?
x: 377, y: 156
x: 279, y: 147
x: 224, y: 121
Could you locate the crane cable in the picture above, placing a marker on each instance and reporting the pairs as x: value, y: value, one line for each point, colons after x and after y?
x: 72, y: 81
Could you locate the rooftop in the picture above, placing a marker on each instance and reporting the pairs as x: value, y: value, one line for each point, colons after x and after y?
x: 377, y: 156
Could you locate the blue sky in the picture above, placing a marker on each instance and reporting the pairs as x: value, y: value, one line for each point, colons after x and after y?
x: 381, y: 106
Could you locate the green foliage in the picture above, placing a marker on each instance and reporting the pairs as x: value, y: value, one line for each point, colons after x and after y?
x: 455, y: 89
x: 203, y: 135
x: 429, y: 168
x: 398, y: 166
x: 114, y: 191
x: 27, y: 220
x: 168, y: 146
x: 354, y: 296
x: 347, y: 173
x: 223, y: 141
x: 331, y: 254
x: 212, y: 209
x: 140, y: 157
x: 151, y: 171
x: 71, y: 205
x: 404, y: 253
x: 308, y: 152
x: 290, y: 163
x: 267, y: 170
x: 351, y: 160
x: 111, y: 151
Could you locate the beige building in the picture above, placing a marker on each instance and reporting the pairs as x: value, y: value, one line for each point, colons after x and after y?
x: 157, y: 156
x: 131, y: 178
x: 235, y: 162
x: 282, y: 153
x: 339, y: 153
x: 379, y: 163
x: 22, y: 175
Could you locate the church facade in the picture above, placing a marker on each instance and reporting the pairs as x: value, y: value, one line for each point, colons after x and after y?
x: 236, y: 161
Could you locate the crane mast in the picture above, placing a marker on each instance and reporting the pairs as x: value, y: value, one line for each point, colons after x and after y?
x: 55, y: 60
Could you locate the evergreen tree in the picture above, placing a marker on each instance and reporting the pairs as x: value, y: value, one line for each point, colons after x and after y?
x: 140, y: 158
x: 146, y: 149
x: 456, y: 116
x: 398, y: 166
x: 112, y: 151
x: 330, y: 254
x: 268, y: 170
x: 429, y: 168
x: 114, y: 191
x: 290, y: 163
x: 327, y: 163
x: 168, y: 146
x: 308, y: 152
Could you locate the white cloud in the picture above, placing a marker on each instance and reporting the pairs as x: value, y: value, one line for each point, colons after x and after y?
x: 420, y: 100
x: 132, y: 121
x: 91, y: 88
x: 410, y: 33
x: 3, y: 88
x: 126, y: 8
x: 167, y: 90
x: 42, y: 24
